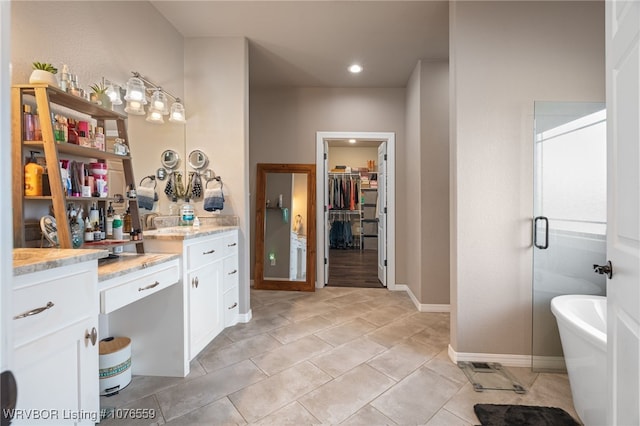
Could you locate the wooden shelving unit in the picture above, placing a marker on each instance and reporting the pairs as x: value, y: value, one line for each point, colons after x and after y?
x: 44, y: 96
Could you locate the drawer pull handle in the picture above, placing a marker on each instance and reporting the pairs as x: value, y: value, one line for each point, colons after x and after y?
x: 194, y: 282
x: 233, y: 306
x: 93, y: 336
x: 209, y: 252
x: 232, y: 245
x: 233, y: 272
x: 150, y: 286
x: 35, y: 311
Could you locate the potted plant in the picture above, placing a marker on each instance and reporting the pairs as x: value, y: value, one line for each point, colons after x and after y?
x: 44, y: 72
x: 99, y: 95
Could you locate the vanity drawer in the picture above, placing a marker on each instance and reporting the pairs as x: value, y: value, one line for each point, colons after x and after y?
x: 230, y: 243
x: 231, y: 307
x: 230, y: 272
x: 204, y: 252
x: 51, y: 300
x: 121, y: 291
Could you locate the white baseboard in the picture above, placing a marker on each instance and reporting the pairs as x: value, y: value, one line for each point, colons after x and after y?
x: 245, y: 317
x: 505, y: 359
x: 551, y: 363
x: 422, y: 307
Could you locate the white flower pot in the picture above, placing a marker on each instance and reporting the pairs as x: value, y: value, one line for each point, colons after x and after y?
x: 42, y: 76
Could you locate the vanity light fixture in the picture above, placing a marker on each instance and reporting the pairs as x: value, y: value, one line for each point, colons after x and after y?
x: 113, y: 91
x: 355, y: 69
x: 352, y: 141
x: 138, y: 87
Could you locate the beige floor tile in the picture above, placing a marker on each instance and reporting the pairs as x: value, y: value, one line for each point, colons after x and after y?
x: 292, y: 414
x: 445, y: 418
x: 346, y: 332
x: 238, y: 351
x: 265, y: 397
x: 443, y: 365
x: 337, y: 400
x: 339, y: 315
x: 145, y: 412
x: 402, y: 359
x: 290, y: 354
x: 351, y: 298
x: 385, y: 315
x: 367, y: 416
x: 299, y: 329
x: 302, y: 310
x: 143, y: 386
x: 343, y: 358
x: 462, y: 402
x: 255, y: 327
x: 220, y: 412
x: 183, y: 398
x: 416, y: 398
x: 391, y: 334
x: 551, y: 390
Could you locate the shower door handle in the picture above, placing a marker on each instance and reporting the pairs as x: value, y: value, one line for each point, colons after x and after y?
x: 546, y: 232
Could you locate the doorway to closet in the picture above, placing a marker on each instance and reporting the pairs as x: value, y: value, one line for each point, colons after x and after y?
x: 356, y: 227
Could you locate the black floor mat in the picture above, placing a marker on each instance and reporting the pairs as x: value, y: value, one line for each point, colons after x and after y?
x: 522, y: 415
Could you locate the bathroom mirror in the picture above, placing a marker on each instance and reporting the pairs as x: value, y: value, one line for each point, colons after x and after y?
x: 198, y: 160
x: 170, y: 159
x: 285, y: 227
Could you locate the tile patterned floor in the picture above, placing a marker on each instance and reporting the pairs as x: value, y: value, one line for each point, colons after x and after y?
x: 340, y: 355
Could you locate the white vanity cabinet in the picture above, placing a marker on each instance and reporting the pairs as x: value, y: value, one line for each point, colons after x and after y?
x: 55, y: 320
x: 210, y: 280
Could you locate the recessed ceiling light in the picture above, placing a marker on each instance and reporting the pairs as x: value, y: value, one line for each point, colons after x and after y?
x: 352, y: 141
x: 355, y: 69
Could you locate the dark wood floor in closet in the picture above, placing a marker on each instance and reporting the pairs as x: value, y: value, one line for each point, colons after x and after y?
x: 353, y: 268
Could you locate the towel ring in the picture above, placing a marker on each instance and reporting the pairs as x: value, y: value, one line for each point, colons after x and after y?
x: 151, y: 178
x: 217, y: 178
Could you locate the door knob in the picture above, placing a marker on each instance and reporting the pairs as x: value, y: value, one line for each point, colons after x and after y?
x: 9, y: 396
x: 604, y: 269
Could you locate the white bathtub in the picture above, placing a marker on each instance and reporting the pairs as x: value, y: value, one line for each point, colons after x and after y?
x: 582, y: 321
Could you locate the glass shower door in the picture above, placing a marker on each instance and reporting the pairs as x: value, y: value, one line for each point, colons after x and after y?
x: 570, y: 208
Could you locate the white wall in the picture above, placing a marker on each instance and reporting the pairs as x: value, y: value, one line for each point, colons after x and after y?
x: 217, y: 86
x: 427, y: 177
x: 503, y: 56
x: 284, y: 123
x: 82, y: 35
x: 352, y: 156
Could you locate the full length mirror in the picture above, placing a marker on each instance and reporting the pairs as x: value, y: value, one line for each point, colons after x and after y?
x: 285, y: 227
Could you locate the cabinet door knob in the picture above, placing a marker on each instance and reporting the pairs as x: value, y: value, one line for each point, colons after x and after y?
x: 150, y: 286
x: 232, y: 245
x: 35, y: 311
x: 93, y: 336
x: 233, y: 306
x: 233, y: 272
x: 209, y: 252
x: 194, y: 282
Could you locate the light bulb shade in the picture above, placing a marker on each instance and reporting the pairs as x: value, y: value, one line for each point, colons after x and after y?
x: 134, y: 108
x: 155, y: 116
x: 177, y: 114
x: 113, y: 91
x: 135, y: 90
x: 159, y: 102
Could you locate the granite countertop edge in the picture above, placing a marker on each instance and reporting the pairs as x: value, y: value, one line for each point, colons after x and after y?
x: 127, y: 263
x: 29, y: 260
x: 186, y: 232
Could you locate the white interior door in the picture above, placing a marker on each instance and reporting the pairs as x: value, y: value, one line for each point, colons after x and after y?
x: 382, y: 213
x: 623, y: 201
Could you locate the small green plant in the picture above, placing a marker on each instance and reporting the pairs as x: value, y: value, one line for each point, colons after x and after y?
x: 45, y: 67
x: 99, y: 88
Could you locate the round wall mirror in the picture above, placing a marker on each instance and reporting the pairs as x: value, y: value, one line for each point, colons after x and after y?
x: 198, y: 160
x: 170, y: 159
x: 208, y: 175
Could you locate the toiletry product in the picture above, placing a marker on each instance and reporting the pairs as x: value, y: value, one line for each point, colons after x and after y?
x: 28, y: 124
x: 94, y: 215
x: 186, y: 214
x: 196, y: 222
x: 33, y: 177
x: 126, y: 220
x: 88, y: 231
x: 174, y: 209
x: 99, y: 141
x: 109, y: 221
x: 117, y: 227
